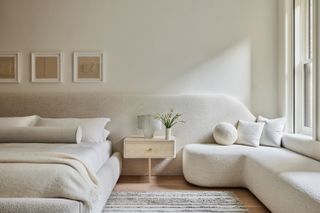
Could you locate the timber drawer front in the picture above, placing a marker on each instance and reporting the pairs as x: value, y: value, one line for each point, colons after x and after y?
x: 149, y: 149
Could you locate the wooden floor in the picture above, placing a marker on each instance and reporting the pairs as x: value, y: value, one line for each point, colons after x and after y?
x: 177, y: 183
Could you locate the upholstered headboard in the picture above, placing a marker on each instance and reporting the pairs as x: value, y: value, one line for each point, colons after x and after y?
x: 201, y: 114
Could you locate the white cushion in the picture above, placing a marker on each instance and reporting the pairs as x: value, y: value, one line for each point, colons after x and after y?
x: 272, y: 131
x: 40, y: 135
x: 18, y: 121
x: 249, y: 133
x: 225, y: 133
x: 93, y: 129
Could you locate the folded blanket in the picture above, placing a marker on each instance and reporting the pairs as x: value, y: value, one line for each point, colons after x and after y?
x: 47, y: 175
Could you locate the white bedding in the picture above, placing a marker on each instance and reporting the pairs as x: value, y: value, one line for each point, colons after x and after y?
x: 94, y: 155
x: 40, y: 170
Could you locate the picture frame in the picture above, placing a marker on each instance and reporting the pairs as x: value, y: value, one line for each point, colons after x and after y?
x: 46, y: 67
x: 10, y: 67
x: 88, y: 67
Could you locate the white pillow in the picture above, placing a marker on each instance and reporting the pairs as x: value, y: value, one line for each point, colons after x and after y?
x: 272, y: 131
x: 225, y: 133
x: 40, y: 135
x: 249, y: 133
x: 93, y: 129
x: 18, y: 121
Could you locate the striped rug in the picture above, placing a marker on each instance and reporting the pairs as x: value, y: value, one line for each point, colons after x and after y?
x: 191, y: 202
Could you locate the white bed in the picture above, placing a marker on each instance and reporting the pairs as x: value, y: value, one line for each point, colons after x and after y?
x: 94, y: 155
x: 26, y: 195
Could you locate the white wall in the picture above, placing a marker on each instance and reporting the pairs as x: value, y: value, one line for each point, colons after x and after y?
x: 318, y: 74
x: 154, y: 46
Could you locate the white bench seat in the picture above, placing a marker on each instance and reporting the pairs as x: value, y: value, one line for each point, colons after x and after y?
x: 283, y: 180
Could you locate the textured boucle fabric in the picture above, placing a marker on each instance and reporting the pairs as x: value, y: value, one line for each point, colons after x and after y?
x: 201, y: 113
x: 283, y: 180
x: 302, y: 144
x: 225, y: 133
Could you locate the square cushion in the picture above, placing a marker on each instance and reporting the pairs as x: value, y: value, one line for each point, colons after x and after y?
x: 272, y: 131
x: 249, y: 133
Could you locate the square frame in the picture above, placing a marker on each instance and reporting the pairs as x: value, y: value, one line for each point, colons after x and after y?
x: 101, y: 67
x: 17, y: 64
x: 56, y: 54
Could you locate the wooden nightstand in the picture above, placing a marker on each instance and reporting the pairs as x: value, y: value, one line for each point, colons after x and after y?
x: 157, y: 147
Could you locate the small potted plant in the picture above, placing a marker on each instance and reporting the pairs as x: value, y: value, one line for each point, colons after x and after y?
x: 169, y: 119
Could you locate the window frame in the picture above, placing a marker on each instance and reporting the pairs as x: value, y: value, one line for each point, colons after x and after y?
x: 307, y: 47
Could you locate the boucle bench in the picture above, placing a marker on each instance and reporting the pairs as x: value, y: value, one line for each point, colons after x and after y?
x: 284, y: 180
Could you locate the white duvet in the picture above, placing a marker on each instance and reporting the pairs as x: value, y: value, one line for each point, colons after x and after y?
x: 94, y: 155
x: 52, y: 170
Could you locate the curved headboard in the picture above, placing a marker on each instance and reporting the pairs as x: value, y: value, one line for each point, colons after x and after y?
x: 201, y: 114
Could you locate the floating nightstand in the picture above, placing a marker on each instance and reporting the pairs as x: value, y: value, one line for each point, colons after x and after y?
x: 149, y: 148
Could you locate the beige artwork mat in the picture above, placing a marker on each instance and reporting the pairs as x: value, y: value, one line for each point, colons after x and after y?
x: 46, y: 67
x: 7, y: 67
x: 89, y: 67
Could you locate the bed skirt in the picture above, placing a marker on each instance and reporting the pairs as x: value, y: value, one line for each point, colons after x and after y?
x: 108, y: 175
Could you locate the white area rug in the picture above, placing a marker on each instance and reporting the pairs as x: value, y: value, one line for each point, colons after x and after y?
x: 202, y: 201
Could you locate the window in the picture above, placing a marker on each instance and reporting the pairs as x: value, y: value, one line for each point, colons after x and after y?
x: 304, y: 67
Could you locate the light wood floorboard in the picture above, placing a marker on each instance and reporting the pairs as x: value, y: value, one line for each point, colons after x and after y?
x: 178, y: 183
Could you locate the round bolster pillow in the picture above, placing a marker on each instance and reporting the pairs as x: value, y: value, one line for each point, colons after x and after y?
x: 225, y: 133
x: 40, y: 135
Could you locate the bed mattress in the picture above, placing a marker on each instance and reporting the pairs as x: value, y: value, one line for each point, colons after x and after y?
x: 94, y: 155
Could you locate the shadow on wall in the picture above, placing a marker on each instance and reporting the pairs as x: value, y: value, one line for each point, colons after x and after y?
x: 228, y: 72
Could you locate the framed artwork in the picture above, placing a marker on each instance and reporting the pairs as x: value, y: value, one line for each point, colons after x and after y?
x: 9, y: 67
x: 46, y: 67
x: 88, y: 66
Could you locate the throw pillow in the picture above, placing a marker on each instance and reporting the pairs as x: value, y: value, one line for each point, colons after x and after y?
x: 272, y: 131
x: 225, y: 133
x: 249, y: 133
